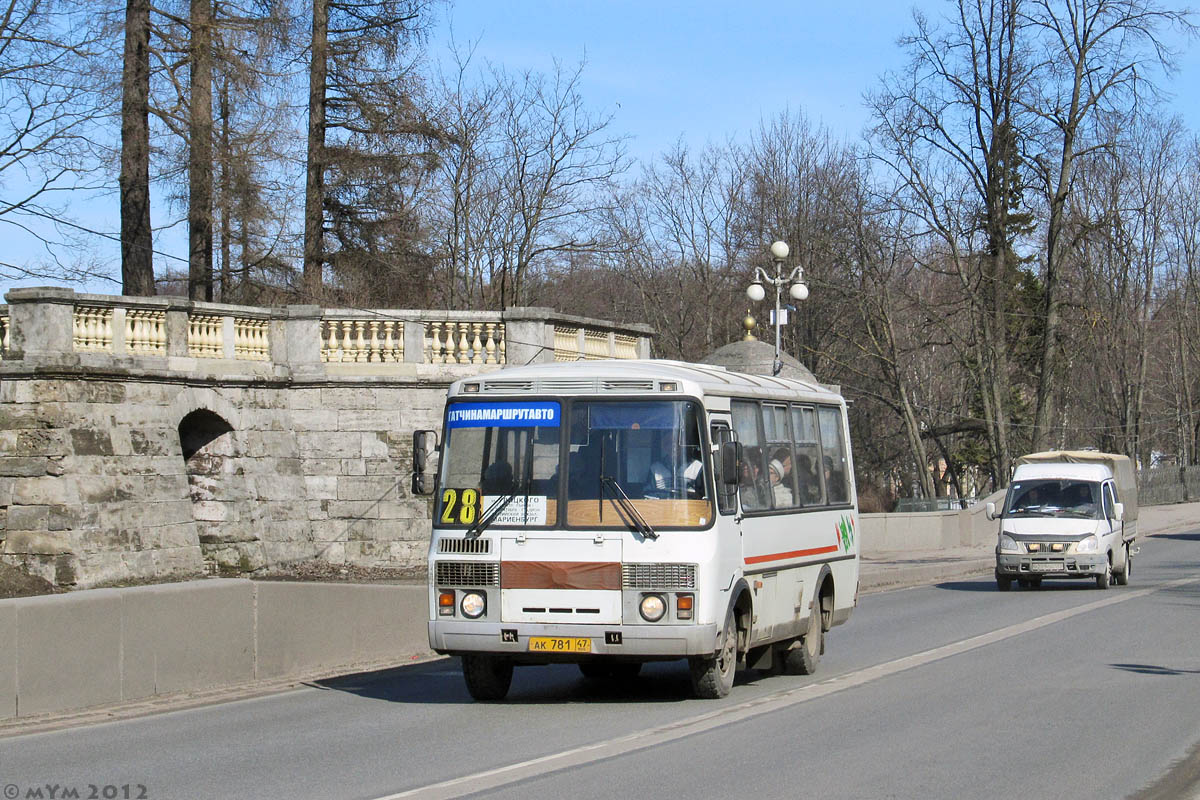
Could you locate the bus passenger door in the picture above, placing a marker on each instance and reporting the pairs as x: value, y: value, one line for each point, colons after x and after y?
x: 727, y: 545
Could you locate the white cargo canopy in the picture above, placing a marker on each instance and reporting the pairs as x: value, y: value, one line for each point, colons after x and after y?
x: 1120, y: 466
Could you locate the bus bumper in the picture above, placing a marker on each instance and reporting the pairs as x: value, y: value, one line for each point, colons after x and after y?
x: 454, y: 637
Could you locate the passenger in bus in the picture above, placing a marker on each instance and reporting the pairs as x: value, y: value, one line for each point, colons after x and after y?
x: 835, y: 481
x: 670, y: 478
x: 779, y: 490
x: 754, y: 488
x: 497, y: 479
x: 810, y: 485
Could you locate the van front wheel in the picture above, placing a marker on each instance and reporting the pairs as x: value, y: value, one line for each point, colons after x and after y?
x: 1104, y: 579
x: 1123, y: 575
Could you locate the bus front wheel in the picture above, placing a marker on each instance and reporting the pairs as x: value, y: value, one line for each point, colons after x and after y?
x: 712, y: 676
x: 488, y: 677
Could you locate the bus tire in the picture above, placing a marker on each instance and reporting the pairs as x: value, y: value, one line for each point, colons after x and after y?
x: 712, y: 676
x: 802, y: 659
x: 487, y: 677
x: 610, y: 671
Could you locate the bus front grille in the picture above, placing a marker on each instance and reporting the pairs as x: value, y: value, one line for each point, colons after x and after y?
x: 658, y: 576
x: 467, y: 573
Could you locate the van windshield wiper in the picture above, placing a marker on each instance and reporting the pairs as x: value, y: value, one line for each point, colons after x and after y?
x: 638, y: 521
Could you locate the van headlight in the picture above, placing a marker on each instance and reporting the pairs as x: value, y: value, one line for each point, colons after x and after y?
x: 1008, y: 544
x: 1089, y: 545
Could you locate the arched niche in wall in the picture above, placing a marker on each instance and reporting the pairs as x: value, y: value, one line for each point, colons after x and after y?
x: 216, y: 484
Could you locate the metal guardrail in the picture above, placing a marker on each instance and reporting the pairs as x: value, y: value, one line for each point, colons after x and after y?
x: 915, y: 505
x: 1164, y: 485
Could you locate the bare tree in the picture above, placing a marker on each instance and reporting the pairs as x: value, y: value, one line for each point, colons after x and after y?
x: 1096, y: 55
x: 950, y: 128
x: 200, y: 153
x: 527, y: 172
x: 137, y: 267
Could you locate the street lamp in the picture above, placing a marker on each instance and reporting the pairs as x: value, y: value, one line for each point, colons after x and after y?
x: 798, y: 290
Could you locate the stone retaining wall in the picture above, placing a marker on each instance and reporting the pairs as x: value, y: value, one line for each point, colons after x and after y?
x: 153, y: 437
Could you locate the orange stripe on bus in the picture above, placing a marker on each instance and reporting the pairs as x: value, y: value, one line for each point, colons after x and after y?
x: 793, y: 554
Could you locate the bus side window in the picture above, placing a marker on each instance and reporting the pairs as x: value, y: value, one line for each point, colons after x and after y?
x: 781, y: 470
x: 752, y: 479
x: 833, y: 454
x: 808, y: 455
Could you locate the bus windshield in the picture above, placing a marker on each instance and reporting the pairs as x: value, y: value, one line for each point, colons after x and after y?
x: 627, y: 464
x: 500, y: 457
x: 647, y: 453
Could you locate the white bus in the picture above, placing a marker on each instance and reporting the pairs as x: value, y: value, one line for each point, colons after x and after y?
x: 611, y: 513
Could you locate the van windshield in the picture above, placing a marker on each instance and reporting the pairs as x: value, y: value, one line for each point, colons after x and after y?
x: 1054, y: 498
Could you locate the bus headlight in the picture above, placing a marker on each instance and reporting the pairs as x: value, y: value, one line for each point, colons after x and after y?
x: 652, y: 607
x: 1008, y: 544
x: 473, y: 605
x: 1089, y: 545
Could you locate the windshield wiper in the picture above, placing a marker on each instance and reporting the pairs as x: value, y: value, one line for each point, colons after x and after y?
x: 493, y: 512
x: 639, y: 522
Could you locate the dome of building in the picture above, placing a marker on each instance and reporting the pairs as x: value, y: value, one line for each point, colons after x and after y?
x: 758, y: 358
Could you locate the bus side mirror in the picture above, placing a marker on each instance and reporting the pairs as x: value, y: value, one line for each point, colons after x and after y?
x: 1119, y: 512
x: 424, y: 443
x: 730, y: 455
x: 990, y: 510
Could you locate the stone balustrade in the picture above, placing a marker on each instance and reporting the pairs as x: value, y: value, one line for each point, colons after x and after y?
x: 158, y: 437
x: 192, y: 336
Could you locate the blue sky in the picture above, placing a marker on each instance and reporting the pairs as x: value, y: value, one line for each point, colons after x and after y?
x: 701, y: 71
x: 706, y: 70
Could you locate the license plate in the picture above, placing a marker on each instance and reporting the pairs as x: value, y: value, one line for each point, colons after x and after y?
x: 560, y: 644
x: 1045, y: 566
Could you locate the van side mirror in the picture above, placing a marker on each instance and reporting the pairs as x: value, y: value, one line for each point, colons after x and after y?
x: 1119, y: 511
x: 730, y: 455
x: 989, y: 511
x: 424, y: 443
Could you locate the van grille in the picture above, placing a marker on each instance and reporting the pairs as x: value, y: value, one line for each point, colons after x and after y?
x: 658, y: 576
x: 470, y: 546
x: 467, y: 573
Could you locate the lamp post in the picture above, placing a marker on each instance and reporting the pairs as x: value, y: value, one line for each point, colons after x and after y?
x: 798, y: 290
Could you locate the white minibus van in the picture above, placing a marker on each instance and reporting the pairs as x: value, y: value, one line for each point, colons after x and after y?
x: 611, y: 513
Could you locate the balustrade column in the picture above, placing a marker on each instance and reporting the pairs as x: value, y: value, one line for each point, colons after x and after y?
x: 41, y: 322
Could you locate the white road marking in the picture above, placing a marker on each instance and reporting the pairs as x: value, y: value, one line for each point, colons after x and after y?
x: 501, y: 776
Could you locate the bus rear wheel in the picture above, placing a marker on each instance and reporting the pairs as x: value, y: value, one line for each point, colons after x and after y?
x: 487, y: 677
x: 803, y: 657
x: 712, y: 676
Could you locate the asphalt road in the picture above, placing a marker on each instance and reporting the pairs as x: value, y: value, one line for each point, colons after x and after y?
x: 946, y: 691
